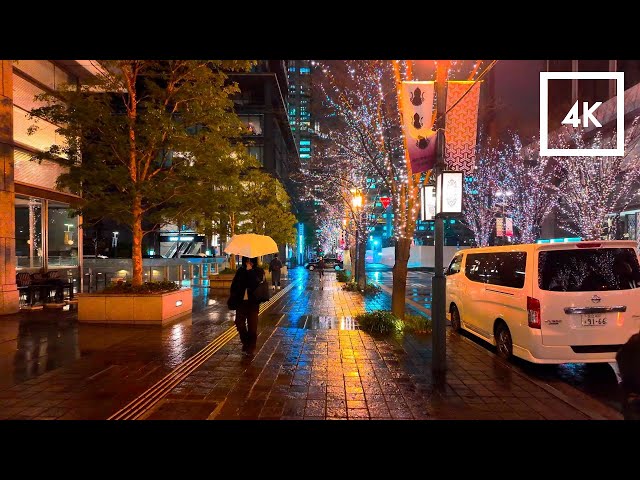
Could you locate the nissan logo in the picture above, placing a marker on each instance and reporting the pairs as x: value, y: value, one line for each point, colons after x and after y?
x: 595, y: 299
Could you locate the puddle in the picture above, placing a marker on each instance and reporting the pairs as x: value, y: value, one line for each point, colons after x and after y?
x: 319, y: 322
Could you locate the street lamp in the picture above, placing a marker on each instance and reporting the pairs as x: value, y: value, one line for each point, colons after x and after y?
x: 357, y: 203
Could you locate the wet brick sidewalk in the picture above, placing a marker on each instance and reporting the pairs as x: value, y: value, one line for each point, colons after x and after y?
x: 313, y: 364
x: 52, y: 367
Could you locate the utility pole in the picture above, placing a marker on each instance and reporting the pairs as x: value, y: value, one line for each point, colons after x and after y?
x: 438, y: 307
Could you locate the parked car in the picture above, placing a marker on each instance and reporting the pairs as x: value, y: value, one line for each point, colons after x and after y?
x: 548, y: 303
x: 329, y: 262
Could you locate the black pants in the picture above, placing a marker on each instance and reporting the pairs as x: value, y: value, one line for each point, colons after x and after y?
x: 247, y: 324
x: 275, y: 277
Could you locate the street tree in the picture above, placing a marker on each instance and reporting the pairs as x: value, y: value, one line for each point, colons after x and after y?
x: 344, y: 190
x: 363, y: 95
x: 478, y: 212
x: 136, y: 135
x: 593, y: 187
x: 532, y: 181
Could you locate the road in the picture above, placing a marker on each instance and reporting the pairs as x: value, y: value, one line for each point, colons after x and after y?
x: 597, y: 381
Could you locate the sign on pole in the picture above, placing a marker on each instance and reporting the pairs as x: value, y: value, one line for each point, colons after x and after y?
x: 427, y: 203
x: 508, y: 227
x: 449, y: 192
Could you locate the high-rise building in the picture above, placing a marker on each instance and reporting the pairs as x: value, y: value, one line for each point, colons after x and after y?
x: 304, y: 128
x: 300, y: 118
x: 262, y: 106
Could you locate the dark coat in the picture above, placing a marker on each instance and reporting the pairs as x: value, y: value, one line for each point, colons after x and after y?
x: 275, y: 264
x: 245, y: 280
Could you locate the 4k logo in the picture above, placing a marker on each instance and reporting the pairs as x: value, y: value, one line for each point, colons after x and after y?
x: 588, y: 118
x: 573, y: 117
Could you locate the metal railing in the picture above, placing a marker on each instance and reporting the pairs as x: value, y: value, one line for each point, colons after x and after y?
x: 99, y: 272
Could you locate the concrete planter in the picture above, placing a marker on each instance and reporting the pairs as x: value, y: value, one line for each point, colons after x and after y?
x: 221, y: 281
x: 156, y: 309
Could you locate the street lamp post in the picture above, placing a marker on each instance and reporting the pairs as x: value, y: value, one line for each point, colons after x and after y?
x: 356, y: 201
x: 438, y: 312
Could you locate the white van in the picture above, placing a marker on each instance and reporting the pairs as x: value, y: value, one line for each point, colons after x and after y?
x: 548, y: 303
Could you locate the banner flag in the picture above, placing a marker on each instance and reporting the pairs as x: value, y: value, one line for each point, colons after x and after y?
x: 461, y: 126
x: 417, y: 112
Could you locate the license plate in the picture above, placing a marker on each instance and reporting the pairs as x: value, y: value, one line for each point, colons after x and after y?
x: 593, y: 320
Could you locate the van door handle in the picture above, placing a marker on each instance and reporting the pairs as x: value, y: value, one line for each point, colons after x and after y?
x: 498, y: 291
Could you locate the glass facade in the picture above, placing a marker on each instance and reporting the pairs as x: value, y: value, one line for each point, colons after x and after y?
x: 29, y: 233
x: 46, y: 234
x: 62, y: 244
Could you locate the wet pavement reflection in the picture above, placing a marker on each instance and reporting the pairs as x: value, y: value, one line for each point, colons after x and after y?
x: 312, y: 362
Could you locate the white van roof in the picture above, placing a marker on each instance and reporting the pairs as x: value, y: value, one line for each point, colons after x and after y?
x: 531, y: 247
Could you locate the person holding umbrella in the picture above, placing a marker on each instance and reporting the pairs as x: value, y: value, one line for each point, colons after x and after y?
x: 247, y: 304
x: 249, y: 287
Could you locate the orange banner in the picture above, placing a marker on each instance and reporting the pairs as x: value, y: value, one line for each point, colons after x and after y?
x: 461, y: 126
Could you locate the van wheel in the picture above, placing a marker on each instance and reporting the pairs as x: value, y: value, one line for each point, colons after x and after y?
x: 504, y: 344
x: 455, y: 319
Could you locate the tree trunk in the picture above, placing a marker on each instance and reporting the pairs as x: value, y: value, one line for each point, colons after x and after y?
x: 362, y: 276
x: 232, y: 227
x: 352, y: 254
x: 402, y: 250
x: 136, y: 254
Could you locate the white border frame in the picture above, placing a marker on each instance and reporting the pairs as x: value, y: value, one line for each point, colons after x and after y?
x: 545, y: 151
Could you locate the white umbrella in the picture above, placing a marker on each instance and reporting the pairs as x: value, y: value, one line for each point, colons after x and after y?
x: 251, y: 245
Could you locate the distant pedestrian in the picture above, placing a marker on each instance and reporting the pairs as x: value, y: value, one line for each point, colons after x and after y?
x: 321, y: 266
x: 246, y: 305
x: 275, y: 268
x: 628, y: 360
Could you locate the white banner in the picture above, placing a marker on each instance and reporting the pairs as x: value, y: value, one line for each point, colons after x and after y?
x: 449, y: 192
x: 508, y: 227
x: 427, y: 203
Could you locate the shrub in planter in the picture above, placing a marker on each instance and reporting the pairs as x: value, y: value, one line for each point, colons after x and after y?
x: 369, y: 289
x: 351, y: 286
x: 417, y: 324
x: 146, y: 288
x: 381, y: 321
x: 228, y: 271
x: 372, y: 289
x: 342, y: 276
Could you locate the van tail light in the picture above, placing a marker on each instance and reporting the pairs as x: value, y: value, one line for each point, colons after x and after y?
x: 588, y: 245
x: 533, y: 312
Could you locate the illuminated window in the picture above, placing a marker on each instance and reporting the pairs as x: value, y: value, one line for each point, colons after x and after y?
x: 305, y: 70
x: 305, y: 142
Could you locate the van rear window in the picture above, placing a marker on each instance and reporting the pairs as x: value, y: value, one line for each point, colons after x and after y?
x: 588, y: 270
